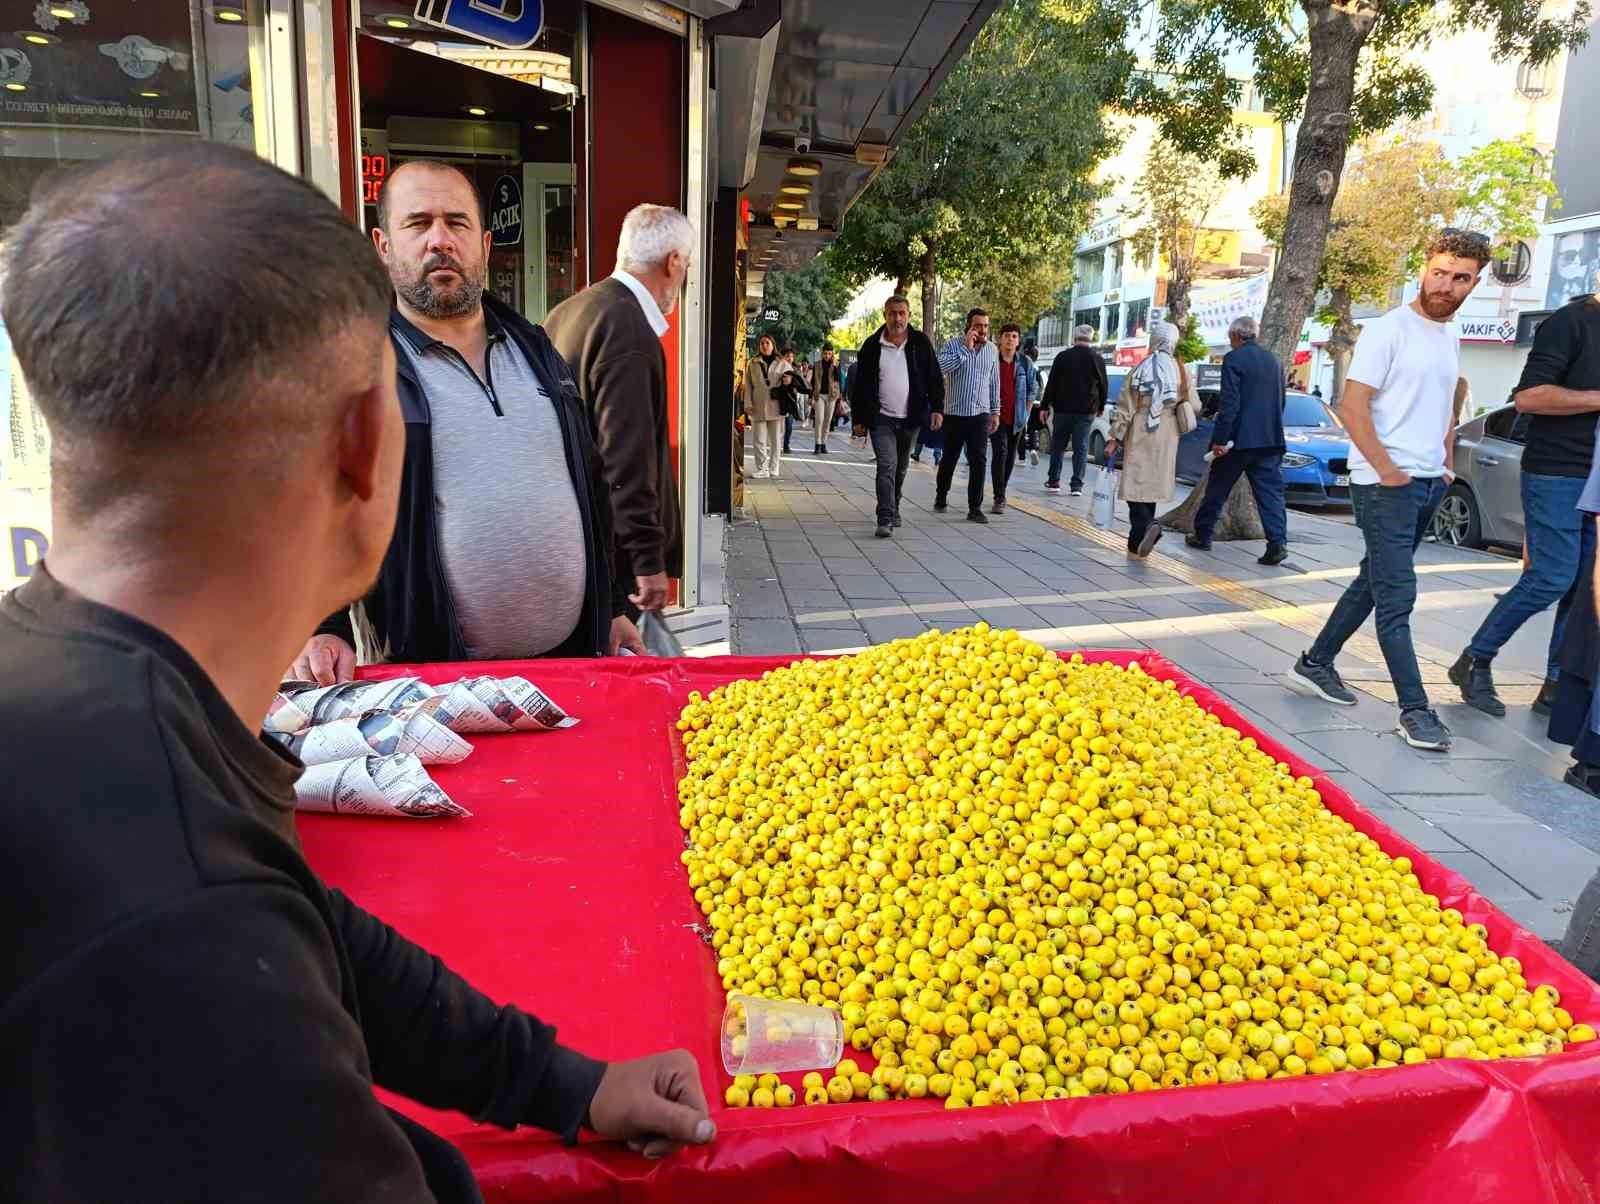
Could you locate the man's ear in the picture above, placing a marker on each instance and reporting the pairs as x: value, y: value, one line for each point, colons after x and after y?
x: 361, y: 433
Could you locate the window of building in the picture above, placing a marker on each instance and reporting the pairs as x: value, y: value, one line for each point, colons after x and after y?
x: 1089, y: 318
x: 1136, y: 319
x: 1091, y: 272
x: 1113, y: 321
x: 1515, y: 266
x: 1533, y: 80
x: 1115, y: 255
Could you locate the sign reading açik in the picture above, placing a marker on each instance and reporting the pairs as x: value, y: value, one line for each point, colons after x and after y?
x: 511, y: 24
x: 505, y: 212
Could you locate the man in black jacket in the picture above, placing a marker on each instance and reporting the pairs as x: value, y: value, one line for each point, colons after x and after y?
x: 895, y: 385
x: 189, y: 1012
x: 1076, y: 390
x: 503, y: 548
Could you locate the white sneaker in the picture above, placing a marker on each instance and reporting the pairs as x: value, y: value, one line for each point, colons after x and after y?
x: 1033, y: 457
x: 1077, y: 493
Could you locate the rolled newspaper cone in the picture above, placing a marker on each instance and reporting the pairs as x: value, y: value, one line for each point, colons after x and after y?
x: 412, y: 729
x: 302, y: 704
x: 500, y: 704
x: 398, y: 786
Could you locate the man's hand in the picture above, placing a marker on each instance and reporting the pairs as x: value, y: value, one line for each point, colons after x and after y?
x: 325, y: 659
x: 652, y: 593
x: 970, y: 339
x: 859, y: 431
x: 625, y: 635
x: 1218, y: 450
x: 1394, y: 477
x: 994, y: 423
x: 935, y: 421
x: 1111, y: 449
x: 655, y: 1104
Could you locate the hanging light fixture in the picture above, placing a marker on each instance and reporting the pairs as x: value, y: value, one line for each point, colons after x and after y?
x: 804, y: 167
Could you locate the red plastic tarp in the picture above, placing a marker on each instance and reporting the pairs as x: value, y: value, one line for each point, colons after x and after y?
x: 564, y: 893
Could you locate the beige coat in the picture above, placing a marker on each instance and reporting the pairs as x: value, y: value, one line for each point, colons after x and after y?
x: 1149, y: 459
x: 759, y: 402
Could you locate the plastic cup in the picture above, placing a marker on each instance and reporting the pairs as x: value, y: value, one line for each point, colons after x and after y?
x: 761, y: 1036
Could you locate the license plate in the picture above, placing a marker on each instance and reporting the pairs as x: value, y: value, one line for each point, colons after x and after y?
x: 1344, y: 480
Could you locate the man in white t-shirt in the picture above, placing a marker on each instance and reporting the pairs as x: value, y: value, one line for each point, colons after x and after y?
x: 1398, y: 404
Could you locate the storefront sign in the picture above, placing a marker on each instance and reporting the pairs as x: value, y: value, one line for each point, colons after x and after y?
x: 505, y: 212
x: 1215, y: 306
x: 132, y: 69
x: 772, y: 314
x: 511, y: 24
x: 1489, y: 330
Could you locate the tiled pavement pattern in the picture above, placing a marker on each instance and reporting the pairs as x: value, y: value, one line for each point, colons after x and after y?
x: 804, y: 574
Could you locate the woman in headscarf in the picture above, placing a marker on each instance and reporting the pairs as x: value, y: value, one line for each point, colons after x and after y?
x: 1145, y: 429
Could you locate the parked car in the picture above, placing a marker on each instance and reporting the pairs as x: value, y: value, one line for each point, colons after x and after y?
x: 1316, y: 462
x: 1484, y: 504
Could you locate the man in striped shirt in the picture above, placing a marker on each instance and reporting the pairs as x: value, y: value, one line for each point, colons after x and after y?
x: 971, y: 410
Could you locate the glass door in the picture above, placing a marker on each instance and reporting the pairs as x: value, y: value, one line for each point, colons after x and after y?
x: 549, y: 249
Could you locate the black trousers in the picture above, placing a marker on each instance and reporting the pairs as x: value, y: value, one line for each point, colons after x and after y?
x: 1002, y: 459
x: 973, y: 435
x: 1140, y: 516
x: 891, y: 449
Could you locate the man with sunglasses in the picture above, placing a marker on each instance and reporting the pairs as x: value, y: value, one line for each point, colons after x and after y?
x: 1398, y: 404
x: 1560, y: 390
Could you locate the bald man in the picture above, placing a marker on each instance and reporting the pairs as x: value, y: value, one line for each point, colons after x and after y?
x: 503, y: 548
x: 190, y: 1013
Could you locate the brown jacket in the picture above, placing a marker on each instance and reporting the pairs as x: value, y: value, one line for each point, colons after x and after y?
x: 1149, y: 459
x: 621, y: 372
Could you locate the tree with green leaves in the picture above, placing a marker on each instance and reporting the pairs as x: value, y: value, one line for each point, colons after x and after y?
x: 1342, y: 69
x: 1397, y: 192
x: 808, y: 302
x: 998, y: 170
x: 1505, y: 189
x: 1173, y: 197
x: 1015, y: 292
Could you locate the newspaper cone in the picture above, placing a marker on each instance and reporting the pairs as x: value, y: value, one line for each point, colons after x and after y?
x: 302, y: 704
x: 412, y: 729
x: 396, y: 785
x: 500, y: 704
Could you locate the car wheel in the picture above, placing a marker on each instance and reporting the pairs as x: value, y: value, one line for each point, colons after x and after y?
x: 1457, y: 521
x: 1097, y: 447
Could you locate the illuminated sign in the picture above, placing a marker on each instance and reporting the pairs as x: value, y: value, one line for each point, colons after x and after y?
x: 374, y: 170
x: 490, y: 21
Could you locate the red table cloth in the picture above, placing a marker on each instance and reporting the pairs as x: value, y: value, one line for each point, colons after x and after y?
x: 564, y: 893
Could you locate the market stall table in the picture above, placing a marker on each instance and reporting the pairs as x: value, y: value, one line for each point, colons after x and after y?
x: 564, y: 893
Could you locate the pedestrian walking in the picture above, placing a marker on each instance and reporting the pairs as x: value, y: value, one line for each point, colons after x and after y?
x: 1145, y: 429
x: 895, y: 387
x: 1074, y: 394
x: 1248, y: 441
x: 1560, y: 389
x: 1019, y: 390
x: 789, y: 389
x: 1396, y: 405
x: 500, y: 467
x: 610, y: 335
x: 972, y: 412
x: 827, y: 391
x: 763, y: 409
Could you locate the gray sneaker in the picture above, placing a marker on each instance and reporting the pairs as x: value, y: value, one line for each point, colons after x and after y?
x: 1323, y: 681
x: 1421, y: 728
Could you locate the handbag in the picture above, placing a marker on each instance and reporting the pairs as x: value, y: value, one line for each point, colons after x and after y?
x: 1188, y: 419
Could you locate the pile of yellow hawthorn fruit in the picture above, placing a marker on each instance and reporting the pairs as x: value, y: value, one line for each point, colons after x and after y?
x: 1022, y: 877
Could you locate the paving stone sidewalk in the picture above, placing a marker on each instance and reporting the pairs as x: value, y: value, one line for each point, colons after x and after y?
x: 804, y: 574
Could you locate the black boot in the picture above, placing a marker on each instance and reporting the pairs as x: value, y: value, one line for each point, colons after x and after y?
x: 1546, y: 701
x: 1471, y: 674
x: 1276, y: 553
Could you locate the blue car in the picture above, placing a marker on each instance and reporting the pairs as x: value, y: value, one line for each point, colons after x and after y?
x: 1316, y: 464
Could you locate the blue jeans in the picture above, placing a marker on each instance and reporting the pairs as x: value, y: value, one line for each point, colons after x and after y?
x: 1393, y: 520
x: 1557, y: 534
x: 1073, y: 427
x: 1265, y: 468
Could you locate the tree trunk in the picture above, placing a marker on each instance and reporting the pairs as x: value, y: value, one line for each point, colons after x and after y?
x: 1341, y: 345
x: 1337, y: 34
x: 1178, y: 285
x: 930, y: 295
x: 1239, y: 518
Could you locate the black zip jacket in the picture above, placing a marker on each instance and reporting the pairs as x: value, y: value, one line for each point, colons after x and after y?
x: 410, y: 609
x: 922, y: 366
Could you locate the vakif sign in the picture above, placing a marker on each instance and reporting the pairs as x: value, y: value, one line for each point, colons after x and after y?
x: 510, y: 24
x: 1489, y: 330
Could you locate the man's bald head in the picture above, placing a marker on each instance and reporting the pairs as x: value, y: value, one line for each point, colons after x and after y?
x: 185, y: 309
x: 426, y: 166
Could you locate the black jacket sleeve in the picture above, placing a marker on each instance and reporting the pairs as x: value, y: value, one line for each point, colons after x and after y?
x: 1105, y: 384
x: 623, y: 398
x: 935, y: 376
x: 340, y: 624
x: 441, y: 1042
x: 1555, y: 345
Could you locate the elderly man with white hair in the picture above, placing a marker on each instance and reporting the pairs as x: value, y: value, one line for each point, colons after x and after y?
x: 610, y: 334
x: 1074, y: 394
x: 1248, y: 440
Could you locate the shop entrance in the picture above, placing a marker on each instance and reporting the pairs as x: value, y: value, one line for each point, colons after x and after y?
x: 506, y: 119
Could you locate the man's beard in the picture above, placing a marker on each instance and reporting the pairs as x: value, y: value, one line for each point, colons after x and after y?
x: 1440, y: 306
x: 453, y: 302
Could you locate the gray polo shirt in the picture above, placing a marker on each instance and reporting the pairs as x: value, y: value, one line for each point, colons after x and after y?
x: 510, y: 531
